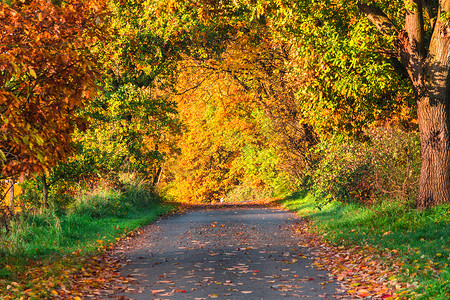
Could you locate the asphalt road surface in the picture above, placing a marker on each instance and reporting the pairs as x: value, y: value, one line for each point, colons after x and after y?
x: 227, y: 253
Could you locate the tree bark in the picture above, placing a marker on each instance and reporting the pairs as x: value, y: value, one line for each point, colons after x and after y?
x: 157, y: 172
x: 434, y: 182
x: 433, y: 106
x: 428, y: 70
x: 22, y: 193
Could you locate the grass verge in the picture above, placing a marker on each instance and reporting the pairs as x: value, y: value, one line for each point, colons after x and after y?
x: 421, y: 238
x: 44, y: 250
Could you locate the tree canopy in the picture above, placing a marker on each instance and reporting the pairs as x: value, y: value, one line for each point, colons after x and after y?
x: 208, y: 97
x: 47, y: 72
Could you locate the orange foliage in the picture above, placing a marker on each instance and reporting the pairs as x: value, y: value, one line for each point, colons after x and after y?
x: 216, y: 127
x: 46, y: 74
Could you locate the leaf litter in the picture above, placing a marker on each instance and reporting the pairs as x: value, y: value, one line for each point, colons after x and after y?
x: 362, y: 271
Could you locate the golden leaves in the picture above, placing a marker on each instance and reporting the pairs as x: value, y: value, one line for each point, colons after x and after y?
x: 210, y: 105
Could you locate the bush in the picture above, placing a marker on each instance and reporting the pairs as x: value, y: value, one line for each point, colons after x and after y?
x: 396, y: 163
x: 365, y: 172
x: 344, y: 173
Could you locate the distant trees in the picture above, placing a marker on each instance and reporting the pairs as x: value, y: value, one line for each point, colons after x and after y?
x: 218, y: 126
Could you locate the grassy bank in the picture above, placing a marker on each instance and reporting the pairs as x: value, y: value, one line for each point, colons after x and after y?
x: 422, y: 238
x: 44, y: 249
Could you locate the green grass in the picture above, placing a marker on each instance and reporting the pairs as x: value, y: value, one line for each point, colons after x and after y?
x: 421, y: 237
x: 92, y: 223
x: 47, y: 234
x: 100, y: 216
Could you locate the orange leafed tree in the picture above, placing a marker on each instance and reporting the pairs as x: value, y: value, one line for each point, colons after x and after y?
x: 217, y: 126
x: 47, y: 72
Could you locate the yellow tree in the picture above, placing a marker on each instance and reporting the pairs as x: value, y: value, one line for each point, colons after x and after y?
x: 212, y: 110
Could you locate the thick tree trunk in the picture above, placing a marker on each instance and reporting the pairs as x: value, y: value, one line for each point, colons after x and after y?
x: 433, y: 107
x: 434, y: 183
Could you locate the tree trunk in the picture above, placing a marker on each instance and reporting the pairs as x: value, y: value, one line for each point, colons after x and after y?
x: 433, y: 107
x: 44, y: 192
x: 22, y: 194
x: 428, y: 70
x: 434, y: 182
x: 11, y: 195
x: 157, y: 171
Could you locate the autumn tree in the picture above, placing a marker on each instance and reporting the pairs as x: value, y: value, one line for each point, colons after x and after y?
x: 132, y: 130
x: 203, y: 172
x: 257, y: 61
x: 141, y: 74
x: 47, y: 73
x: 422, y: 47
x: 132, y: 121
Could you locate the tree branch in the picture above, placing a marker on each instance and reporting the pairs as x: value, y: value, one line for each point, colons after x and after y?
x: 414, y: 27
x: 379, y: 19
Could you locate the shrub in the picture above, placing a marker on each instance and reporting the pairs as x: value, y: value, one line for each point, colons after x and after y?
x: 387, y: 165
x: 396, y: 163
x: 103, y: 202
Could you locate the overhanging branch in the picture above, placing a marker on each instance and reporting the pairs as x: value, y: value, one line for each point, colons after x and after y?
x: 379, y: 19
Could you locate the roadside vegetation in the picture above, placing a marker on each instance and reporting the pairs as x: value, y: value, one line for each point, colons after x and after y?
x: 44, y: 250
x: 362, y: 195
x: 420, y: 239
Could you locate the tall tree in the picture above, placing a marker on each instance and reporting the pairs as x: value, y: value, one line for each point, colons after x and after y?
x: 423, y: 48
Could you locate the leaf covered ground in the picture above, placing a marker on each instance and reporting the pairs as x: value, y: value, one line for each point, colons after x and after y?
x: 381, y: 246
x: 361, y: 270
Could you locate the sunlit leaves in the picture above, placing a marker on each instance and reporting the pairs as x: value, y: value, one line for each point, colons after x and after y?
x: 132, y: 129
x: 46, y: 74
x: 132, y: 121
x: 218, y: 125
x: 347, y: 82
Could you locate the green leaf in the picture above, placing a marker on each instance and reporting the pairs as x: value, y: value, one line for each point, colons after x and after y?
x: 2, y: 155
x: 39, y: 140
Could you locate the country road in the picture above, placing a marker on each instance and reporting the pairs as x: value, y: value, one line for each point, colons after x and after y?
x: 227, y: 253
